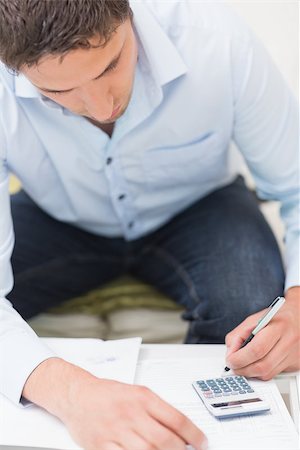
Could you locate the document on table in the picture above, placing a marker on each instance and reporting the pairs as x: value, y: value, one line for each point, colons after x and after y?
x: 171, y: 379
x: 33, y: 426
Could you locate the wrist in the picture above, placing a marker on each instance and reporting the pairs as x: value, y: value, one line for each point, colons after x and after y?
x: 292, y: 294
x: 54, y: 385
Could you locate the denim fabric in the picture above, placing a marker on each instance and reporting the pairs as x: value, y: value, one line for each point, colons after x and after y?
x: 218, y: 258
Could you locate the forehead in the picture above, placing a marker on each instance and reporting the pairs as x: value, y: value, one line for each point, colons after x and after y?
x: 79, y: 65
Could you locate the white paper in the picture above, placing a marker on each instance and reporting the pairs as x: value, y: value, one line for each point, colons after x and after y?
x: 34, y: 427
x: 171, y: 379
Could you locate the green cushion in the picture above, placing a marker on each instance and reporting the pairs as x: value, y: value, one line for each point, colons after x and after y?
x: 122, y: 293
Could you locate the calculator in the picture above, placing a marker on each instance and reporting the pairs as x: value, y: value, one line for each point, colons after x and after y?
x: 230, y: 396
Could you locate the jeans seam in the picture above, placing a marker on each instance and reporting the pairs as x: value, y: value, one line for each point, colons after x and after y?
x: 180, y: 270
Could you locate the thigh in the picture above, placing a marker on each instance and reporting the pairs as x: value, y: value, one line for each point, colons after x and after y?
x: 219, y: 259
x: 53, y: 261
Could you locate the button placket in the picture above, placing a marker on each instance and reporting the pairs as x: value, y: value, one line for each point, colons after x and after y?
x: 119, y: 193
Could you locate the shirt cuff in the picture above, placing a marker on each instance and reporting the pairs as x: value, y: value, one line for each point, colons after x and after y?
x: 292, y: 267
x: 22, y: 353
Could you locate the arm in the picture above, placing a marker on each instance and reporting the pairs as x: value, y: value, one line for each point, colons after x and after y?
x: 266, y: 132
x: 20, y: 348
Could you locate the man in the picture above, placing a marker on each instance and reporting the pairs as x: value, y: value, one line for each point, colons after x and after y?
x: 118, y: 124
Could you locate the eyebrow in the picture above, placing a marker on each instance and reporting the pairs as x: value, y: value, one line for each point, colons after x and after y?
x: 108, y: 67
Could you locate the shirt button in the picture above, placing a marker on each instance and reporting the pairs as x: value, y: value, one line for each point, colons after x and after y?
x: 130, y: 224
x: 121, y: 197
x: 109, y: 161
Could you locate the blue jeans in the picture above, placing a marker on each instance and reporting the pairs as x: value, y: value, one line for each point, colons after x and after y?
x: 218, y: 259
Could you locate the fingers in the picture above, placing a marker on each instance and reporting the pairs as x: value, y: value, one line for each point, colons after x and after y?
x: 159, y: 436
x: 268, y: 366
x: 176, y: 422
x: 260, y: 346
x: 136, y: 442
x: 111, y: 446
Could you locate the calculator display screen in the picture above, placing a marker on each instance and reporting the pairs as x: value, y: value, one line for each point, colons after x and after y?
x: 236, y: 403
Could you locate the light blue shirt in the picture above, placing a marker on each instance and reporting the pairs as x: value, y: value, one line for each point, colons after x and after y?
x: 202, y: 80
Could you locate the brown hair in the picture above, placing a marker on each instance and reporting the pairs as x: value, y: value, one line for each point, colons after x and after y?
x: 31, y: 29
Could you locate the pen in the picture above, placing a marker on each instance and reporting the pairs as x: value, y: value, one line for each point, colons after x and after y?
x: 263, y: 321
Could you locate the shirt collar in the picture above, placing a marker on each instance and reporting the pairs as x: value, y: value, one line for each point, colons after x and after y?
x: 23, y: 87
x: 155, y: 46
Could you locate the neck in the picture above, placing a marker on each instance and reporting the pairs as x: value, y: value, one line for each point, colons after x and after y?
x: 107, y: 128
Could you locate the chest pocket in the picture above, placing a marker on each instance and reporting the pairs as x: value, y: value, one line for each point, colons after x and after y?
x: 190, y: 163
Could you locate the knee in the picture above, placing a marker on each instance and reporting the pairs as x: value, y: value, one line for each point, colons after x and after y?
x: 220, y: 312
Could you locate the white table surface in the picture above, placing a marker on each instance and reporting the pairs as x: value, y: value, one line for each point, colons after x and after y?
x: 286, y: 382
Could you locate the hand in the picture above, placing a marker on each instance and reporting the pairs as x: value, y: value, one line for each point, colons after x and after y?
x: 275, y: 349
x: 108, y: 415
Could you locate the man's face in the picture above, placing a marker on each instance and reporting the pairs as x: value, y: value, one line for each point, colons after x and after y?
x: 96, y: 83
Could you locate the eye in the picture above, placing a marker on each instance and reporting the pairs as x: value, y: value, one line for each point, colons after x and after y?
x: 110, y: 68
x: 113, y: 66
x: 52, y: 92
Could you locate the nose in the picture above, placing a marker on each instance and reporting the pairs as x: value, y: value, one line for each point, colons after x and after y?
x: 98, y: 104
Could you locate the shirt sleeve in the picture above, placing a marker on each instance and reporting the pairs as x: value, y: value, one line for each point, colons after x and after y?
x: 266, y: 131
x: 21, y: 351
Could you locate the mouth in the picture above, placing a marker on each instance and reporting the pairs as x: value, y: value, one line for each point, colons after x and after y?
x: 115, y: 112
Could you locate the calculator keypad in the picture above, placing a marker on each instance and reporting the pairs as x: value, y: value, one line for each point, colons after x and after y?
x: 223, y: 387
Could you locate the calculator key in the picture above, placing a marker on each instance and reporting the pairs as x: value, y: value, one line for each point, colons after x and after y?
x: 250, y: 391
x: 205, y: 388
x: 234, y: 393
x: 242, y: 392
x: 218, y: 395
x: 226, y: 393
x: 236, y: 388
